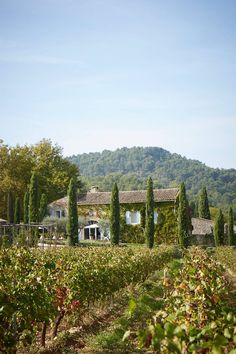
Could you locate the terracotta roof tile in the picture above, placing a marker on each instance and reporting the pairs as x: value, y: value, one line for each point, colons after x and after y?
x: 202, y: 226
x: 125, y: 197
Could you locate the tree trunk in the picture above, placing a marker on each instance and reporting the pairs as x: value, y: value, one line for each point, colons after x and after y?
x: 56, y: 324
x: 43, y: 334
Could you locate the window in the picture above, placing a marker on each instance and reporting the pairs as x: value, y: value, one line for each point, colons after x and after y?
x: 155, y: 217
x: 132, y: 217
x: 58, y: 214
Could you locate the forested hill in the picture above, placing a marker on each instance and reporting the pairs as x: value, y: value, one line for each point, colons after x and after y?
x: 129, y: 167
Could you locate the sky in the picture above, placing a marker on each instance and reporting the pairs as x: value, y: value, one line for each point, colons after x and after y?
x: 102, y: 74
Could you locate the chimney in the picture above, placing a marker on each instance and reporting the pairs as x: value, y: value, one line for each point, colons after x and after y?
x: 94, y: 189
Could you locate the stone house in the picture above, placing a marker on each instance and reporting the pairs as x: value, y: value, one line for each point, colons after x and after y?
x: 94, y: 207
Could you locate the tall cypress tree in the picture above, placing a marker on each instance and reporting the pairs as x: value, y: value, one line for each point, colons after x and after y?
x: 193, y: 209
x: 17, y: 211
x: 10, y: 208
x: 230, y: 227
x: 149, y: 217
x: 183, y: 218
x: 72, y: 223
x: 33, y: 198
x: 203, y: 206
x: 26, y: 207
x: 43, y: 207
x: 115, y: 216
x: 219, y: 229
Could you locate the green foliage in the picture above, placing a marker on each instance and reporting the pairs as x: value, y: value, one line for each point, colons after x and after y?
x: 195, y: 315
x: 59, y: 224
x: 219, y: 229
x: 72, y: 223
x: 227, y: 256
x: 129, y: 168
x: 165, y: 229
x: 38, y: 286
x: 230, y: 233
x: 43, y: 210
x: 104, y: 226
x: 33, y: 198
x: 17, y: 211
x: 26, y: 207
x: 17, y: 164
x: 203, y: 207
x: 193, y: 209
x: 183, y: 218
x: 10, y: 208
x: 146, y: 298
x: 115, y: 216
x: 149, y: 216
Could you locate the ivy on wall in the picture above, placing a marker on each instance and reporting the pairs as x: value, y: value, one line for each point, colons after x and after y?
x: 165, y: 229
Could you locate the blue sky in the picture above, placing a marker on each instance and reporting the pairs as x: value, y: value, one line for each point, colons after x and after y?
x: 102, y: 74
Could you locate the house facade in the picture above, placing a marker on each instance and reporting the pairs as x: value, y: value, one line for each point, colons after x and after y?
x: 94, y: 207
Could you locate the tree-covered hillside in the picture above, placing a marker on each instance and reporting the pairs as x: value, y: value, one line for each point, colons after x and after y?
x: 129, y: 167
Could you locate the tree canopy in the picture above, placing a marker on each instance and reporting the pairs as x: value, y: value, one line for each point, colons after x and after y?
x: 17, y: 164
x: 130, y: 167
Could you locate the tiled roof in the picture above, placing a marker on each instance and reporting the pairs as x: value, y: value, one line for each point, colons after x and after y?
x: 97, y: 198
x: 61, y: 203
x: 160, y: 195
x: 202, y: 226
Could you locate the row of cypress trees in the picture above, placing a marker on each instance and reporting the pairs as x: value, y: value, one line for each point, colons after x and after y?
x: 149, y: 215
x: 72, y: 224
x: 219, y: 228
x: 184, y: 217
x: 34, y: 205
x: 204, y: 212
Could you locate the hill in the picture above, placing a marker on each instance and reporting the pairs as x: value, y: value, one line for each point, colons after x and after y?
x: 130, y: 167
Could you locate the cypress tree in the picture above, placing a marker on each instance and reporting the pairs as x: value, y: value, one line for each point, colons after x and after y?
x: 219, y: 229
x: 149, y: 217
x: 33, y: 198
x: 72, y: 223
x: 193, y: 209
x: 43, y: 207
x: 10, y: 208
x: 183, y: 218
x: 203, y: 206
x: 230, y: 227
x: 26, y: 208
x: 17, y: 211
x: 115, y: 216
x: 143, y: 217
